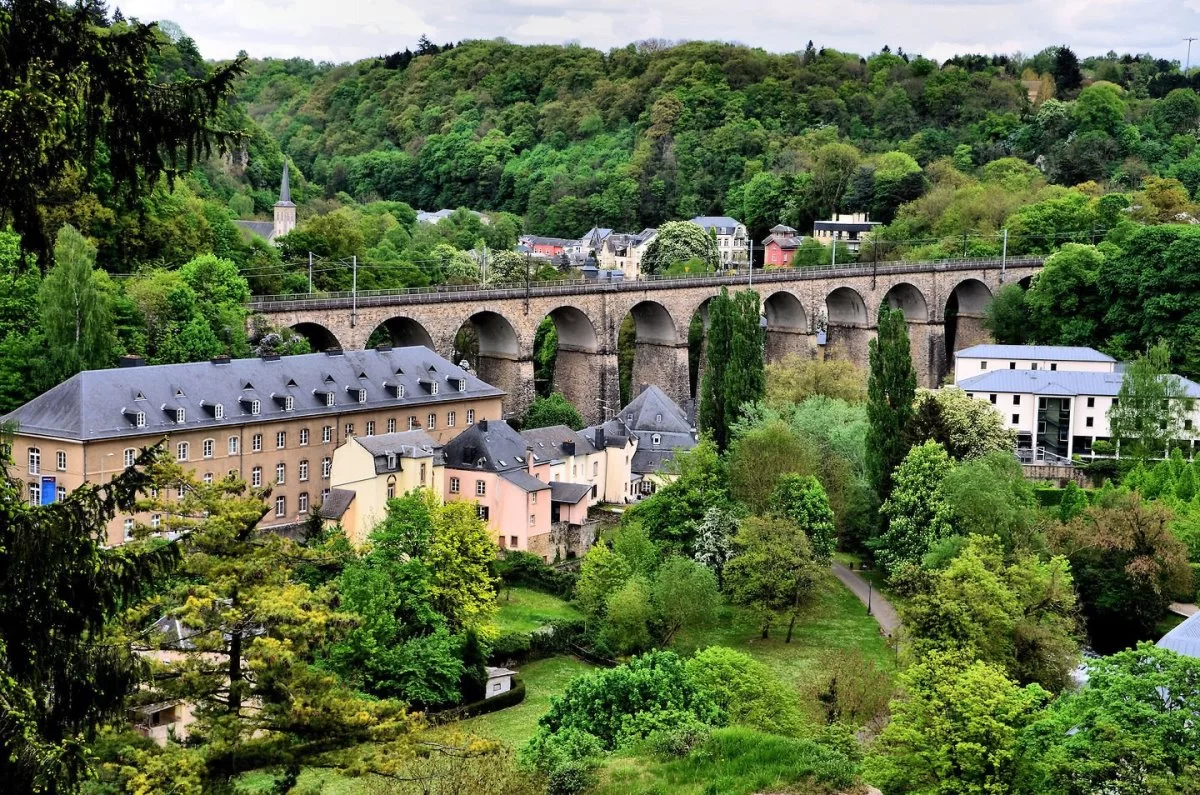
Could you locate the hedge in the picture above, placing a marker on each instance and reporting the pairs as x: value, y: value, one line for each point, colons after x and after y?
x: 483, y: 706
x: 554, y: 638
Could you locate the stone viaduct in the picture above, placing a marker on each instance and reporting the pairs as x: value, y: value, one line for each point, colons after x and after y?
x: 944, y: 303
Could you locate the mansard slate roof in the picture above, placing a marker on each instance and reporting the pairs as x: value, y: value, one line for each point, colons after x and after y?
x: 649, y: 414
x: 103, y: 404
x: 402, y: 444
x: 1056, y: 383
x: 1063, y: 353
x: 488, y: 446
x: 723, y: 223
x: 549, y: 443
x: 337, y: 503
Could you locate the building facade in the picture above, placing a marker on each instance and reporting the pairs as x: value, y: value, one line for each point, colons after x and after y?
x: 274, y: 422
x: 656, y: 428
x: 779, y: 247
x: 284, y: 214
x: 1057, y: 399
x: 624, y: 252
x: 847, y: 229
x: 733, y: 241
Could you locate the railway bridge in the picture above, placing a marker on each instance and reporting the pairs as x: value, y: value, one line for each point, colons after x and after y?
x: 826, y: 312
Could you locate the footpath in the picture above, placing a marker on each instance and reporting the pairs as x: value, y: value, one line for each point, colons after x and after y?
x: 881, y: 608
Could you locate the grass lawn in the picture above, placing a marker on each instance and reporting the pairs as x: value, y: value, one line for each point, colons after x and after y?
x: 734, y: 761
x: 835, y: 620
x: 515, y: 725
x: 524, y: 610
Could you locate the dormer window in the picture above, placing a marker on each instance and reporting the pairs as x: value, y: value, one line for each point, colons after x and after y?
x: 656, y: 440
x: 180, y: 415
x: 255, y: 407
x: 289, y: 403
x: 139, y: 396
x: 179, y: 393
x: 391, y: 461
x: 219, y: 412
x: 362, y: 395
x: 462, y: 385
x: 658, y: 418
x: 329, y: 398
x: 433, y: 387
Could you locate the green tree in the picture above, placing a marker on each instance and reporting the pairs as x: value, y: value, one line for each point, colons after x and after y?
x: 1178, y: 113
x: 679, y: 241
x: 801, y: 499
x: 672, y: 515
x: 627, y: 616
x: 508, y: 267
x: 1151, y: 407
x: 460, y: 556
x: 600, y: 575
x: 714, y: 539
x: 1072, y: 503
x: 1065, y: 69
x: 76, y: 314
x: 684, y: 595
x: 552, y: 410
x: 891, y: 389
x: 772, y: 570
x: 747, y: 691
x: 954, y: 729
x: 918, y: 514
x: 1064, y: 302
x: 734, y: 364
x: 990, y: 496
x: 763, y: 453
x: 1007, y: 315
x: 795, y: 378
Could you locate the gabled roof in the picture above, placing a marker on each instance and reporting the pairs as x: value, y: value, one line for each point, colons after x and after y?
x: 649, y: 416
x: 1058, y: 383
x: 550, y: 442
x: 524, y: 481
x: 723, y: 223
x: 784, y: 241
x: 336, y: 504
x: 1062, y: 353
x: 570, y: 493
x: 103, y: 404
x: 402, y: 444
x: 264, y: 229
x: 487, y: 446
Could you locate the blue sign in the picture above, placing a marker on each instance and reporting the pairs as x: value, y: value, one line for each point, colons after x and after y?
x: 49, y: 489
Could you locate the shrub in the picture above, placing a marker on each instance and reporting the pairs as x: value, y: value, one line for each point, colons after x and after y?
x: 572, y: 778
x: 525, y: 568
x: 680, y: 740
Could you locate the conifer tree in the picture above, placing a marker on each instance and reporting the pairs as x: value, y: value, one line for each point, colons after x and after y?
x: 891, y: 389
x: 735, y: 371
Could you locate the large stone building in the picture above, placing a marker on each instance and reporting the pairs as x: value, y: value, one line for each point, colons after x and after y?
x: 272, y: 421
x: 284, y: 212
x: 657, y: 428
x: 733, y: 242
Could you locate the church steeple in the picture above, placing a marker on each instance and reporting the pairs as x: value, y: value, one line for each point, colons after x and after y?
x: 285, y: 211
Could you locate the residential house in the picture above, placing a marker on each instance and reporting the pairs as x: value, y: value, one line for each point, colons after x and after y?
x: 370, y: 470
x: 548, y: 247
x: 273, y: 421
x: 598, y: 461
x: 624, y: 252
x: 587, y: 246
x: 732, y: 238
x: 284, y: 212
x: 660, y: 428
x: 848, y: 229
x: 780, y: 246
x: 1056, y: 399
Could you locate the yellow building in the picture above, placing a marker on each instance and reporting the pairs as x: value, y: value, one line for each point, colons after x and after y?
x: 370, y: 470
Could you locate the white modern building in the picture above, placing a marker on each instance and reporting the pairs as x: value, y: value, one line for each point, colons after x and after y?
x: 1056, y: 398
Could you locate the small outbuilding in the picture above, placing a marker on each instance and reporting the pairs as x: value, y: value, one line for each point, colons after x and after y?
x: 499, y: 680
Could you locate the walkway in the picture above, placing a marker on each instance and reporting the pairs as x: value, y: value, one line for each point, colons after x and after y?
x: 1185, y: 609
x: 881, y: 609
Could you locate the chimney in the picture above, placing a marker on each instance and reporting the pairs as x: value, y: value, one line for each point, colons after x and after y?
x: 569, y: 448
x: 599, y: 438
x: 132, y: 360
x: 483, y: 425
x: 529, y: 458
x: 222, y: 359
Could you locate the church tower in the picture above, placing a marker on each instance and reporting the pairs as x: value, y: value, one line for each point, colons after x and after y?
x: 285, y: 211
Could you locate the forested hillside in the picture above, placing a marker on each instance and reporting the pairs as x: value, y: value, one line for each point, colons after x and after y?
x: 570, y: 137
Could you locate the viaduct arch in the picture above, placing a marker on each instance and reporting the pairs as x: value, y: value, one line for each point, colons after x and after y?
x: 944, y: 304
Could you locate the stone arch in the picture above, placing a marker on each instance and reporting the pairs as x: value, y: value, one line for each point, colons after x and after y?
x: 490, y: 345
x: 787, y: 326
x: 402, y: 332
x: 659, y: 356
x: 318, y: 336
x: 584, y: 372
x: 966, y: 306
x: 576, y: 330
x: 907, y: 297
x: 845, y: 307
x: 697, y: 345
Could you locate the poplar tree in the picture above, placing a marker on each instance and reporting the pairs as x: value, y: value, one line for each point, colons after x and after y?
x: 891, y: 389
x: 735, y: 371
x: 76, y: 310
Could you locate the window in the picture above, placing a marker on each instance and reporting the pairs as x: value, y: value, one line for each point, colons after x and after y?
x: 60, y: 461
x: 1187, y: 425
x: 208, y: 478
x: 280, y: 440
x: 328, y: 398
x: 35, y: 493
x: 303, y: 502
x: 139, y: 419
x: 303, y: 437
x: 433, y: 387
x: 180, y: 415
x: 1016, y: 419
x: 326, y: 465
x: 128, y: 528
x: 658, y: 418
x: 431, y: 421
x: 370, y: 427
x: 304, y: 471
x: 349, y: 429
x: 280, y: 473
x: 482, y: 511
x: 391, y: 487
x: 256, y: 443
x: 1012, y: 365
x: 362, y: 396
x: 233, y: 445
x: 1033, y: 366
x: 181, y: 452
x: 451, y: 417
x: 289, y: 403
x: 61, y: 491
x: 256, y: 477
x: 454, y: 485
x: 480, y: 488
x: 656, y: 440
x: 326, y: 434
x: 595, y: 469
x: 412, y: 423
x: 533, y: 498
x: 512, y: 540
x: 391, y: 461
x: 1089, y: 421
x: 391, y: 425
x: 130, y: 456
x: 233, y: 473
x: 155, y: 521
x: 422, y: 474
x: 1053, y: 365
x: 462, y: 385
x: 255, y: 407
x: 218, y: 412
x: 280, y: 506
x: 1091, y: 404
x: 1016, y: 400
x: 470, y: 416
x: 324, y: 494
x: 983, y: 365
x: 35, y: 461
x: 206, y: 448
x: 496, y: 687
